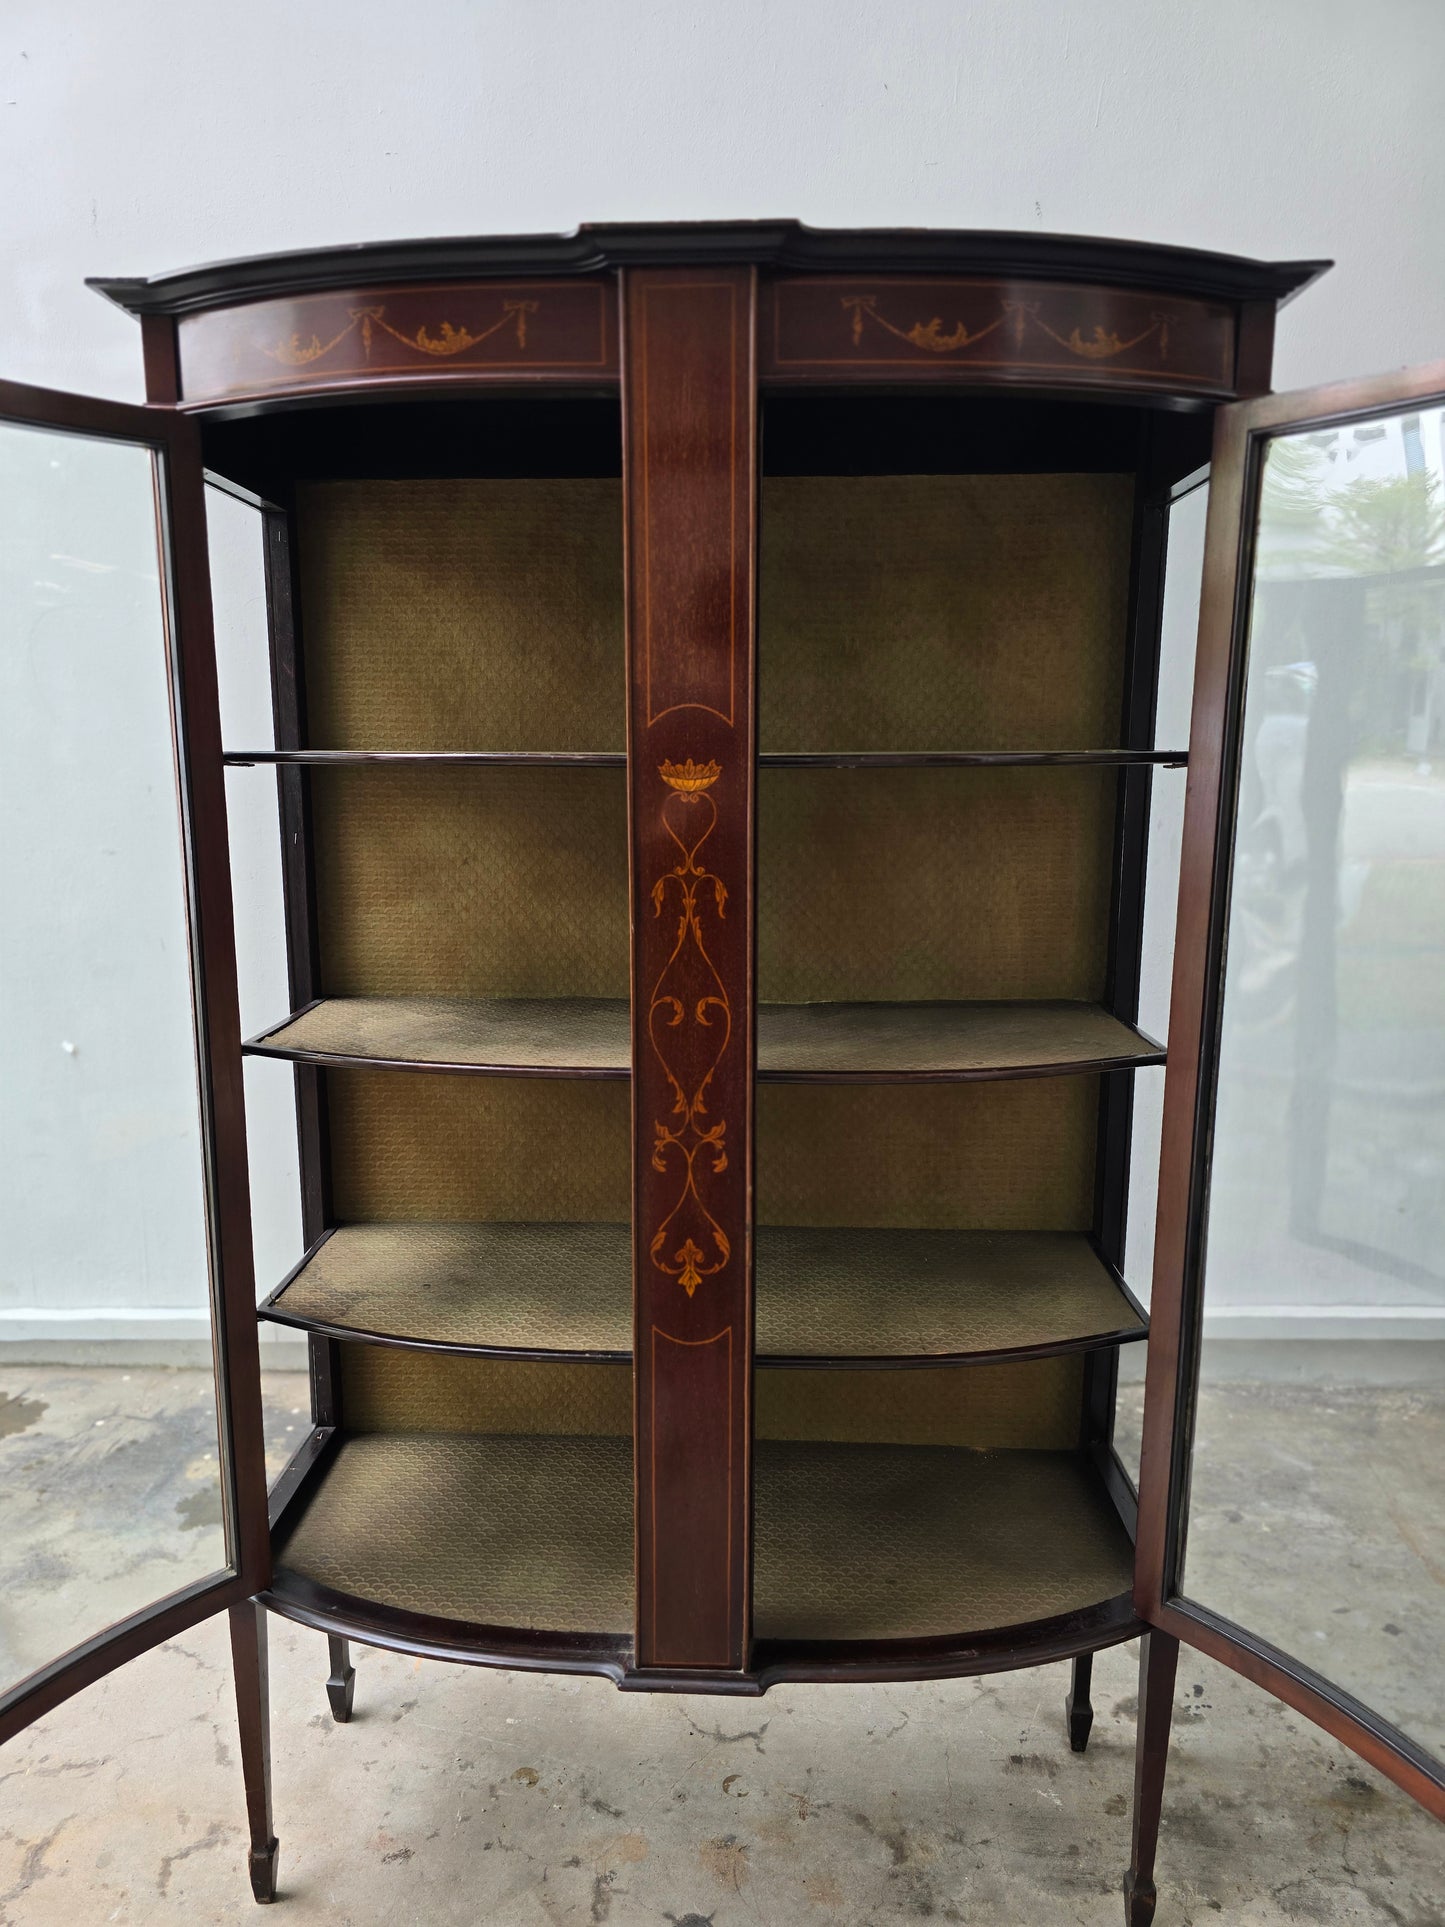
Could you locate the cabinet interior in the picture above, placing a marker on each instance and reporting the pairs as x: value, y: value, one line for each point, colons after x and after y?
x: 917, y: 596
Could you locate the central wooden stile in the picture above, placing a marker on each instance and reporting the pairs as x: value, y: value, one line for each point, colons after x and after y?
x: 689, y: 399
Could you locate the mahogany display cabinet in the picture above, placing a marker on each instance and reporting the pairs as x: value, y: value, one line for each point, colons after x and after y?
x: 716, y: 716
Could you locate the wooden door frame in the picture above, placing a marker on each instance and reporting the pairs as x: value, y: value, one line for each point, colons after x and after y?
x: 1242, y: 431
x: 189, y: 639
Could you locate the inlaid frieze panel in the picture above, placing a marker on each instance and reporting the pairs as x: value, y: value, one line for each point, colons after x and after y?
x: 544, y: 330
x: 916, y: 328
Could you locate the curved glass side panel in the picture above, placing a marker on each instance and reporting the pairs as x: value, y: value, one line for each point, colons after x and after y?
x: 1317, y: 1511
x: 110, y: 1467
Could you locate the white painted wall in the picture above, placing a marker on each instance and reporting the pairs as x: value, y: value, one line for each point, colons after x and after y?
x: 159, y: 133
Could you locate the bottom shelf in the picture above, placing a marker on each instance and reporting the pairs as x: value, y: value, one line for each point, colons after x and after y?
x: 852, y: 1542
x: 865, y: 1542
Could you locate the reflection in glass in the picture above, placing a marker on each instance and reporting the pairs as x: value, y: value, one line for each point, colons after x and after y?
x: 110, y: 1480
x: 1317, y: 1514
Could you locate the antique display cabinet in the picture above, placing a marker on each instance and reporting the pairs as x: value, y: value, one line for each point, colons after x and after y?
x: 716, y: 718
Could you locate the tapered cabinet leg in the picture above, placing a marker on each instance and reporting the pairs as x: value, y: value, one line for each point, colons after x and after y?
x: 341, y: 1687
x: 1078, y: 1708
x: 253, y: 1713
x: 1158, y: 1663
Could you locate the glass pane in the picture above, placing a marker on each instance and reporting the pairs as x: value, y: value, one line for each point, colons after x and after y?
x: 235, y: 536
x: 1178, y: 635
x: 1317, y: 1517
x: 110, y: 1471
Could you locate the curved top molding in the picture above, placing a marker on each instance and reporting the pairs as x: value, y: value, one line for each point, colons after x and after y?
x: 779, y: 245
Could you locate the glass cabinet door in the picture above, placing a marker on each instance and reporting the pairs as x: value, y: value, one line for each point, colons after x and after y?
x: 1294, y: 1457
x: 131, y: 1488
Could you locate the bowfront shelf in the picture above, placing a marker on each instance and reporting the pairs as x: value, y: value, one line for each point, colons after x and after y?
x: 444, y: 758
x: 855, y: 1543
x: 508, y: 1036
x: 833, y: 1296
x: 797, y: 1043
x: 767, y: 759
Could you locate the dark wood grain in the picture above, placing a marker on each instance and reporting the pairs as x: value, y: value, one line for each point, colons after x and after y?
x: 341, y: 1686
x: 215, y: 998
x: 1059, y: 334
x: 1254, y: 353
x: 1158, y: 1661
x: 1042, y: 1642
x: 1177, y: 1207
x: 158, y: 352
x: 689, y: 470
x: 536, y: 331
x: 778, y: 245
x: 1349, y: 1720
x: 1078, y: 1707
x: 251, y: 1666
x: 127, y: 1639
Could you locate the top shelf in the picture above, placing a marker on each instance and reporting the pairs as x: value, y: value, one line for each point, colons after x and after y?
x: 796, y: 1043
x: 767, y: 759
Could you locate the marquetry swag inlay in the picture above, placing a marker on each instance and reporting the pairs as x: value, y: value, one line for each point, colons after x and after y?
x: 921, y: 327
x: 539, y: 330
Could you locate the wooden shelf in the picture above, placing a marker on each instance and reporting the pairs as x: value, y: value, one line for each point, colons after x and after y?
x: 943, y: 1041
x: 510, y: 1036
x: 852, y: 1542
x: 973, y: 758
x: 797, y: 1043
x: 768, y: 759
x: 839, y: 1296
x: 449, y: 758
x: 825, y: 1297
x: 878, y: 1542
x: 515, y: 1530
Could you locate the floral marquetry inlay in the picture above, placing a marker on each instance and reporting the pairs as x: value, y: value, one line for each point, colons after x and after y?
x: 690, y: 1025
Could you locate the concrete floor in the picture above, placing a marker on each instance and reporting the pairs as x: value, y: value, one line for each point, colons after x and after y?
x: 457, y: 1795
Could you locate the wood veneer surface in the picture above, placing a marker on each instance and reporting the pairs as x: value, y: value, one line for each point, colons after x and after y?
x: 848, y: 1293
x: 943, y: 611
x: 463, y: 614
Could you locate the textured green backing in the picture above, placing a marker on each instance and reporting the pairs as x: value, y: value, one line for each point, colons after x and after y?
x: 463, y: 614
x: 943, y: 611
x: 934, y: 883
x: 412, y: 1145
x: 1031, y: 1404
x: 895, y: 884
x: 896, y: 613
x: 471, y: 882
x: 1008, y: 1156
